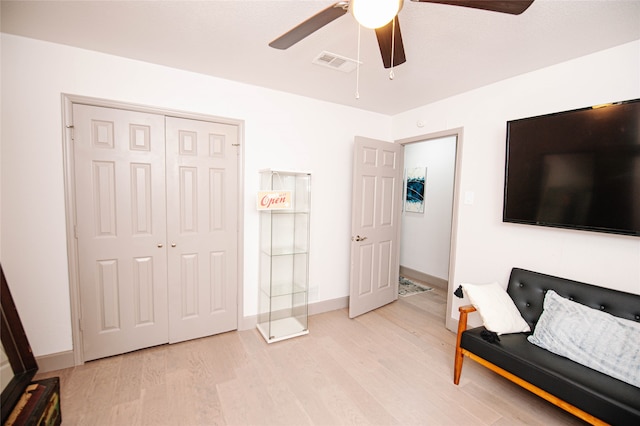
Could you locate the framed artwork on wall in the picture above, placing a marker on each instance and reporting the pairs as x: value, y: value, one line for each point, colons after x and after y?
x: 415, y: 180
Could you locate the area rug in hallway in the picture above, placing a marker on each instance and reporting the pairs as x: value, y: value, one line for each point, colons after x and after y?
x: 406, y: 287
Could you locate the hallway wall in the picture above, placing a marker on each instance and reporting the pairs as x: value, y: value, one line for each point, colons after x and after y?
x: 426, y: 237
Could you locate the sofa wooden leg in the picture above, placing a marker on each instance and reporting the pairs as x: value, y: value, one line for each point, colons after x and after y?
x: 457, y: 365
x: 459, y: 357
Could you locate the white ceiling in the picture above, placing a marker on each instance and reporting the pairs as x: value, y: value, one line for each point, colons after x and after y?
x: 449, y: 49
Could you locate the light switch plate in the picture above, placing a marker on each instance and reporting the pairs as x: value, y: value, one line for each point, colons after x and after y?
x: 469, y: 197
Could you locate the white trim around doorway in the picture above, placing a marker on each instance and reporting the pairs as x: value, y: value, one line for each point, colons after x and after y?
x: 450, y: 323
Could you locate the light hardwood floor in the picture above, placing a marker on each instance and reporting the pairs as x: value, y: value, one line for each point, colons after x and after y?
x: 392, y: 366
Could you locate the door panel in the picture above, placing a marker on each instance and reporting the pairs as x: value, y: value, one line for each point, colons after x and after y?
x: 202, y: 217
x: 375, y: 224
x: 120, y: 209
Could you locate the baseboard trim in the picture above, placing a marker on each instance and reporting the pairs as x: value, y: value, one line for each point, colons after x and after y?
x: 57, y: 361
x: 421, y: 276
x: 247, y: 323
x: 328, y: 305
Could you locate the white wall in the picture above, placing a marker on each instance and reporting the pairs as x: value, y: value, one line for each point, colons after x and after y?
x: 426, y: 237
x: 282, y: 131
x: 486, y: 248
x: 290, y: 132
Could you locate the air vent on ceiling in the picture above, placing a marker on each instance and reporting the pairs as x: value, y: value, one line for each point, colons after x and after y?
x: 336, y: 62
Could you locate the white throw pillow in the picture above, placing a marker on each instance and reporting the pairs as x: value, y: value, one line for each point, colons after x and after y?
x: 499, y: 313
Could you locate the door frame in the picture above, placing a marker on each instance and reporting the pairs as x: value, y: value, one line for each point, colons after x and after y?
x: 450, y: 322
x: 70, y: 199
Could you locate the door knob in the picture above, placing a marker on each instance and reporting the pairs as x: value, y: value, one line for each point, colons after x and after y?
x: 159, y: 245
x: 173, y: 244
x: 358, y: 238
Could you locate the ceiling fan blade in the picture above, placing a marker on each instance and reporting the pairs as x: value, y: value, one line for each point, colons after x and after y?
x: 385, y: 38
x: 514, y: 7
x: 311, y: 25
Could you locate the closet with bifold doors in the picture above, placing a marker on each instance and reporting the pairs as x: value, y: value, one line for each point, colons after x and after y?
x: 155, y: 213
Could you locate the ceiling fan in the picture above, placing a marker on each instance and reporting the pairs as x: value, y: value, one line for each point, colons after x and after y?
x: 388, y: 27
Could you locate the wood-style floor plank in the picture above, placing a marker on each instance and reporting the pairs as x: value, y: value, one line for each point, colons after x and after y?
x: 392, y: 366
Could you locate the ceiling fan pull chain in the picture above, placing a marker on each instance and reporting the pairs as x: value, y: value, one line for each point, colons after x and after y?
x: 393, y: 45
x: 358, y: 67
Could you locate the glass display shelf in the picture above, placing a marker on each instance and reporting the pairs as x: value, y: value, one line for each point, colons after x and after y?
x: 284, y: 255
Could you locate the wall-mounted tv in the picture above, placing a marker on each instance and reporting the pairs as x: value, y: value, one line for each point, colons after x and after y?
x: 576, y: 169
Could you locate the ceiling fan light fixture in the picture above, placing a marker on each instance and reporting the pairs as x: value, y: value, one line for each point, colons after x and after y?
x: 375, y: 13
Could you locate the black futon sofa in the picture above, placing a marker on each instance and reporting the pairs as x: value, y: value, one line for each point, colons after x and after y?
x: 592, y: 396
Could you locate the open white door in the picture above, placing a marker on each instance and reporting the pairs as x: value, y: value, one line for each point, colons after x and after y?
x: 375, y: 224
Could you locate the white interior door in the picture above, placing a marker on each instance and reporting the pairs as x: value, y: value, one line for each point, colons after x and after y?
x: 375, y: 224
x: 119, y: 159
x: 202, y: 215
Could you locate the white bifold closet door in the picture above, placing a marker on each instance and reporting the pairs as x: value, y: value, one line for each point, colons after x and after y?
x: 202, y: 227
x: 156, y: 228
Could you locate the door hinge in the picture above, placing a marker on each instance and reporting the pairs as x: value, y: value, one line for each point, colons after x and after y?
x: 71, y: 130
x: 80, y: 324
x: 75, y: 231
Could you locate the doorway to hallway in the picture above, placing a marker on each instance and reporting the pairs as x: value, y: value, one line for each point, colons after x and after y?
x: 427, y: 237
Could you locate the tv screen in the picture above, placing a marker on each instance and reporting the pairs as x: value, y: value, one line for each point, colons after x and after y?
x: 577, y: 169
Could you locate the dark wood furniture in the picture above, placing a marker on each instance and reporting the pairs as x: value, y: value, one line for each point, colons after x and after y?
x: 40, y: 400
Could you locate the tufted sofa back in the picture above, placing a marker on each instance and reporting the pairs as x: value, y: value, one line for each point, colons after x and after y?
x: 527, y: 289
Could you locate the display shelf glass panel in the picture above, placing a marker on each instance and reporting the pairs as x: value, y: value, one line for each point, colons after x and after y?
x: 284, y: 257
x: 284, y: 232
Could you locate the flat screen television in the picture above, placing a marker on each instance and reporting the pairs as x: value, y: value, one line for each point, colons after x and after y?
x: 576, y: 169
